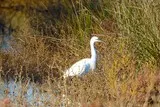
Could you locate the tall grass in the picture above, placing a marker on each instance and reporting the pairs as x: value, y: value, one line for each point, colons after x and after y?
x: 139, y: 21
x: 49, y: 42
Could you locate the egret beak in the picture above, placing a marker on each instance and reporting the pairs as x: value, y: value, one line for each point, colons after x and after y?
x: 100, y: 41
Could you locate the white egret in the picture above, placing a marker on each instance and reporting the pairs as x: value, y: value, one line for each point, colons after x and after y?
x: 85, y: 65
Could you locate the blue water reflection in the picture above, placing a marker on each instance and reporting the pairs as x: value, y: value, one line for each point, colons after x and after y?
x: 29, y: 92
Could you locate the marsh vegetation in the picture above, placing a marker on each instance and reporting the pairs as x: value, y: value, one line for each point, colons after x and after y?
x: 48, y: 36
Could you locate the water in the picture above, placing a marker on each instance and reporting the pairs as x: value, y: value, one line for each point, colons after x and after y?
x: 6, y: 43
x: 29, y: 91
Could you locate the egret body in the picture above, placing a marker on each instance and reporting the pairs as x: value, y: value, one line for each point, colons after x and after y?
x: 85, y: 65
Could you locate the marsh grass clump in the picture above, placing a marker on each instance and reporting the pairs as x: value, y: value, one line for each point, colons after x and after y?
x: 140, y: 22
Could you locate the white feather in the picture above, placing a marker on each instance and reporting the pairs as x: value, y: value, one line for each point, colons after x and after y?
x: 85, y: 65
x: 79, y: 68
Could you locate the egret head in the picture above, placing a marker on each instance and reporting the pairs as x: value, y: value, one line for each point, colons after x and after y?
x: 95, y: 39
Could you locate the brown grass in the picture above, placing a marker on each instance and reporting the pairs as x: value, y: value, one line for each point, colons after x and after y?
x: 114, y: 83
x: 42, y: 56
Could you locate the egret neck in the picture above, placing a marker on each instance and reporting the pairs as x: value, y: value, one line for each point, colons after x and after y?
x: 93, y: 56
